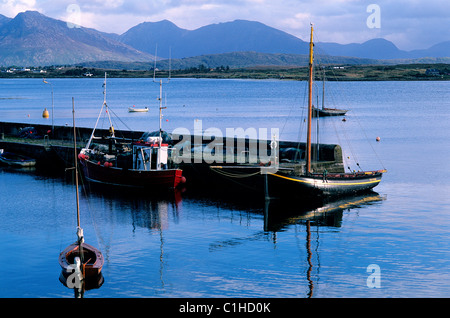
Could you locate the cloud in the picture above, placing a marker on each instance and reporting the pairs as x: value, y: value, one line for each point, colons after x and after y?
x: 11, y: 8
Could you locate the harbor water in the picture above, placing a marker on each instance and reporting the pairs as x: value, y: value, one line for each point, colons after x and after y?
x: 198, y: 243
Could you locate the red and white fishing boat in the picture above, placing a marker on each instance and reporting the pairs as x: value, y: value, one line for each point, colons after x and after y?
x: 142, y: 164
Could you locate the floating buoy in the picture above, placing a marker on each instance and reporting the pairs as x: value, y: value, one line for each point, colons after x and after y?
x: 378, y: 139
x: 183, y: 180
x: 44, y: 114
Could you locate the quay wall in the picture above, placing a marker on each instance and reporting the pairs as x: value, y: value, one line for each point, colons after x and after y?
x: 56, y: 150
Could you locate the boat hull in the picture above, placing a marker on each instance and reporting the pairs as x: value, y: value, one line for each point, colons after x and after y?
x: 327, y: 185
x: 325, y: 112
x: 169, y: 178
x: 15, y: 160
x: 93, y: 256
x: 137, y: 110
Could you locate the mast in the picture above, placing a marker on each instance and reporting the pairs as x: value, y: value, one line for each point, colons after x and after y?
x: 76, y: 165
x: 158, y: 164
x: 323, y: 89
x: 79, y: 229
x: 308, y: 143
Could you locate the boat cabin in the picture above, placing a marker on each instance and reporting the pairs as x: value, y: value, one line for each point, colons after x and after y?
x: 149, y: 155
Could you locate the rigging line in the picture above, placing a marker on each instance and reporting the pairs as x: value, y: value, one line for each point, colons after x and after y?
x: 354, y: 154
x: 234, y: 175
x: 368, y: 141
x: 112, y: 111
x: 92, y: 216
x: 303, y: 117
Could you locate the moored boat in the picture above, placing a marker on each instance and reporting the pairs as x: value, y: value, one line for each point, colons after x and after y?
x: 325, y: 112
x: 142, y: 164
x: 16, y: 160
x: 92, y: 265
x: 309, y: 182
x: 137, y: 110
x: 80, y: 262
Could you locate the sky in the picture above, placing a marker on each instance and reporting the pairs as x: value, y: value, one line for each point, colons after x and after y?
x: 409, y: 24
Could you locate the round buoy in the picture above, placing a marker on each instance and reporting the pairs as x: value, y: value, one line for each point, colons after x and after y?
x: 378, y: 138
x: 45, y: 113
x: 183, y: 180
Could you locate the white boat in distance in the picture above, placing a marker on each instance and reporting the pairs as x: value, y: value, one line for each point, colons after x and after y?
x: 137, y: 110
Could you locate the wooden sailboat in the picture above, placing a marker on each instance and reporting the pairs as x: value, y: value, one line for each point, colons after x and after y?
x: 326, y: 111
x: 142, y: 164
x: 81, y: 258
x: 322, y: 183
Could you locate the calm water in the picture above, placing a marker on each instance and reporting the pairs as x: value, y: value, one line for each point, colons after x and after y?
x: 196, y: 245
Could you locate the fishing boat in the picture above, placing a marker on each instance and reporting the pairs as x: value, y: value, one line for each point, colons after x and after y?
x: 80, y: 258
x: 321, y: 183
x: 16, y: 160
x: 141, y: 164
x: 137, y: 110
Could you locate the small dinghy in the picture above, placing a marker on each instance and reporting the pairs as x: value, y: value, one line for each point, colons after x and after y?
x: 16, y: 160
x: 137, y: 110
x: 79, y: 258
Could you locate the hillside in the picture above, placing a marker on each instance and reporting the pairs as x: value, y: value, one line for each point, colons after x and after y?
x: 34, y: 39
x: 236, y: 36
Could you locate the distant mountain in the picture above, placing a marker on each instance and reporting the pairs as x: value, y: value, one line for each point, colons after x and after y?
x: 372, y: 49
x: 438, y: 50
x: 236, y: 36
x: 4, y: 19
x: 32, y: 39
x: 245, y: 36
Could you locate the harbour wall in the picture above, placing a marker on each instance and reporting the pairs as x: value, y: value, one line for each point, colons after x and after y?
x: 55, y: 150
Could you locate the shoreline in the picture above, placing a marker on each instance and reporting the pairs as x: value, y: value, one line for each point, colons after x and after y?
x: 401, y: 72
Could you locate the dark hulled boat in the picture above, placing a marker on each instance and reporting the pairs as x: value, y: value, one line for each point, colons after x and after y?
x: 16, y: 160
x: 322, y: 184
x: 325, y: 112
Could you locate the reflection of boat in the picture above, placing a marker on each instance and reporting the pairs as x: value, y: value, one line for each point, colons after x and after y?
x: 326, y: 214
x: 16, y: 160
x: 137, y: 110
x: 321, y: 183
x: 80, y: 258
x: 143, y: 164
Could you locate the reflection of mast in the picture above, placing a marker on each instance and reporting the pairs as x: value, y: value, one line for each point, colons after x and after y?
x: 308, y: 250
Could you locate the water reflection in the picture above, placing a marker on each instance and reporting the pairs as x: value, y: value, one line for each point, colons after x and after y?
x: 80, y: 287
x: 279, y: 214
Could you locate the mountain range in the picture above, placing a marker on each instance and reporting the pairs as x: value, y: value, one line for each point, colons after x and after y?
x: 33, y: 39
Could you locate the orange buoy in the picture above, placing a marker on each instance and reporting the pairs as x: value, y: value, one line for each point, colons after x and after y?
x: 378, y: 139
x: 45, y: 114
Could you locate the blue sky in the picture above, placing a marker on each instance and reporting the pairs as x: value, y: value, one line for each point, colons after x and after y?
x: 410, y: 24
